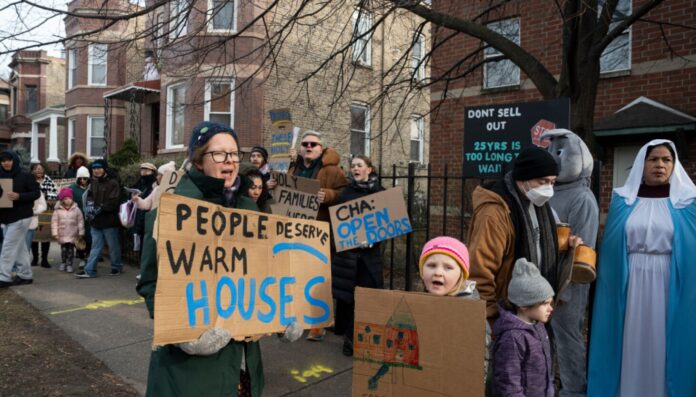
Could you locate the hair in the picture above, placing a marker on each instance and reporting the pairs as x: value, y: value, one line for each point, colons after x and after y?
x: 33, y: 166
x: 364, y: 158
x: 313, y: 133
x: 197, y: 156
x: 667, y: 145
x: 249, y: 175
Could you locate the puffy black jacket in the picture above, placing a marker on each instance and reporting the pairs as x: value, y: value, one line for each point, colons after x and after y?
x: 23, y: 183
x: 105, y: 192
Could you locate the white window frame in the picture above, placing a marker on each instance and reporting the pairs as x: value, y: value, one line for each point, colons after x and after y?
x: 210, y: 16
x: 178, y: 21
x: 417, y: 64
x: 417, y: 123
x: 208, y: 98
x: 498, y: 56
x: 71, y: 136
x: 90, y: 50
x: 170, y: 115
x: 72, y: 68
x: 628, y: 32
x: 89, y: 135
x: 362, y: 48
x: 160, y: 33
x: 367, y: 132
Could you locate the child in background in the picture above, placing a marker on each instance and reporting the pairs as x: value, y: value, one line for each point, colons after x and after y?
x: 67, y: 225
x: 522, y: 363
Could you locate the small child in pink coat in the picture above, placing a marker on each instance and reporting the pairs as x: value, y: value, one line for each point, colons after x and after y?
x: 67, y: 225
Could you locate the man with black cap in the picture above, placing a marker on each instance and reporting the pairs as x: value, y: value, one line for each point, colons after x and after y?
x: 15, y: 221
x: 512, y: 219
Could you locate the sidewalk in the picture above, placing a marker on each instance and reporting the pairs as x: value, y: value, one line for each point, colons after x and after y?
x: 108, y: 318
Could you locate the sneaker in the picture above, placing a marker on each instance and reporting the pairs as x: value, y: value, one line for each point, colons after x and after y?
x: 347, y: 347
x: 69, y: 269
x: 61, y: 267
x: 83, y: 274
x: 115, y: 272
x: 22, y: 281
x: 46, y: 265
x: 316, y: 334
x: 5, y: 284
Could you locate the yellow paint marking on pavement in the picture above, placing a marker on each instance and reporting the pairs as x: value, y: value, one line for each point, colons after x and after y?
x: 101, y: 305
x: 315, y: 372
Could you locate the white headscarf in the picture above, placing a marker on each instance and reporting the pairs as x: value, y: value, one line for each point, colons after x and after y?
x: 682, y: 190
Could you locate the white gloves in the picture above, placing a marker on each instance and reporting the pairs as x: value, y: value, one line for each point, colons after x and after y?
x: 210, y: 342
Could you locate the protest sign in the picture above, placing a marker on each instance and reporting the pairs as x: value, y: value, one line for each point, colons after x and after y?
x: 417, y: 344
x: 61, y: 183
x: 170, y: 180
x: 295, y: 196
x: 283, y: 139
x: 43, y: 230
x: 495, y: 134
x: 369, y: 219
x: 6, y: 186
x: 245, y: 271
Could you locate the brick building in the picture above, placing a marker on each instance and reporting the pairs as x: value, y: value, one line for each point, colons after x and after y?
x: 5, y: 103
x: 647, y: 89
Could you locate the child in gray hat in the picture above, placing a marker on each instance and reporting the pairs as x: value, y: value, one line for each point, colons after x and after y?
x: 522, y: 352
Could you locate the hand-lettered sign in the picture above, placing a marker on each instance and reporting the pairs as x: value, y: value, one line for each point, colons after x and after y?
x: 282, y: 137
x: 170, y: 180
x: 248, y: 272
x: 6, y: 186
x: 295, y: 196
x: 411, y: 342
x: 369, y: 219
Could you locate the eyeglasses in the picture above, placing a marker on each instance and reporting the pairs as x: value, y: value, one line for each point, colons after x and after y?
x: 310, y: 144
x: 221, y: 157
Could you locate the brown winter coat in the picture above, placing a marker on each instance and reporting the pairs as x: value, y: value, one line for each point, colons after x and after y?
x: 331, y: 178
x: 67, y: 224
x: 491, y: 247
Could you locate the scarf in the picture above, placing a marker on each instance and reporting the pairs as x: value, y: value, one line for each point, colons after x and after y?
x: 229, y: 193
x: 370, y: 185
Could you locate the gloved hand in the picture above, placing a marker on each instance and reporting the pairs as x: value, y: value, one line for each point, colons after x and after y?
x: 210, y: 342
x: 292, y: 333
x: 365, y: 244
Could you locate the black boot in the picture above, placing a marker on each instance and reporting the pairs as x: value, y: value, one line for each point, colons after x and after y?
x: 347, y: 347
x: 45, y: 245
x: 34, y: 253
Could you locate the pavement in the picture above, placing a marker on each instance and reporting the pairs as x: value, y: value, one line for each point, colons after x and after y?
x: 109, y: 319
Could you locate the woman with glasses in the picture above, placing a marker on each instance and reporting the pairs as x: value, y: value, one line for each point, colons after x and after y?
x: 213, y: 365
x: 50, y: 193
x: 79, y: 187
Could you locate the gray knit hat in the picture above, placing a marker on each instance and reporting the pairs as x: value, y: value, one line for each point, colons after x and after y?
x: 528, y: 287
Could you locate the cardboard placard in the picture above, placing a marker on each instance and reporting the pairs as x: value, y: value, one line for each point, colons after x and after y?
x: 245, y: 271
x: 295, y: 196
x: 417, y: 344
x: 6, y: 185
x: 43, y: 230
x: 63, y: 182
x: 170, y: 180
x: 369, y: 219
x: 283, y: 138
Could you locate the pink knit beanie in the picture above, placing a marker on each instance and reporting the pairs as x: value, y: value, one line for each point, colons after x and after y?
x: 65, y: 192
x: 448, y: 246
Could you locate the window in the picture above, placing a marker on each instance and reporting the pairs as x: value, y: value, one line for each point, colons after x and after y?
x: 3, y: 113
x: 499, y: 71
x: 617, y: 56
x: 97, y: 64
x: 96, y: 142
x: 222, y: 16
x: 359, y: 129
x: 160, y: 34
x: 417, y: 138
x: 362, y: 36
x: 71, y: 136
x: 178, y: 16
x: 176, y: 96
x: 31, y: 99
x: 72, y: 68
x: 417, y: 56
x: 219, y: 102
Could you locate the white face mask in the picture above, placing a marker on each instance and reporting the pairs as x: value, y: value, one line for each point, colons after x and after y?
x: 540, y: 195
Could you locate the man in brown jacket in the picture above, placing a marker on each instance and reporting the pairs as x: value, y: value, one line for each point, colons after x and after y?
x: 512, y: 219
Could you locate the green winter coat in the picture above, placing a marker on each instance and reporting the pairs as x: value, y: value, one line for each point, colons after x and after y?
x: 172, y: 372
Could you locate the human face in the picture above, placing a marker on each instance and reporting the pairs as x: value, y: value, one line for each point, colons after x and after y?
x: 146, y: 172
x: 82, y: 181
x: 98, y: 172
x: 78, y: 162
x: 441, y: 274
x: 228, y: 169
x: 67, y: 202
x: 38, y: 172
x: 658, y: 166
x: 255, y: 189
x: 540, y: 312
x: 311, y: 148
x: 256, y: 159
x: 537, y: 182
x: 361, y: 172
x: 6, y: 164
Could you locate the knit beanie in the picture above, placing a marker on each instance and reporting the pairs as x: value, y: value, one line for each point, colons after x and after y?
x: 205, y: 130
x: 65, y: 192
x: 82, y: 172
x: 262, y: 151
x: 534, y: 162
x: 447, y: 246
x: 166, y: 167
x: 528, y: 287
x: 98, y: 163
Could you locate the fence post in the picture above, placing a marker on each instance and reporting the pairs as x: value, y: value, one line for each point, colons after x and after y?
x: 409, y: 236
x: 427, y: 206
x: 391, y: 257
x: 444, y: 205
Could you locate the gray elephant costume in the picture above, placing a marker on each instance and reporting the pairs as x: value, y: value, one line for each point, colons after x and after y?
x: 574, y: 204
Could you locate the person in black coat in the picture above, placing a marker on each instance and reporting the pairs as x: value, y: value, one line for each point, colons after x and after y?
x: 146, y: 185
x: 361, y: 267
x: 15, y: 220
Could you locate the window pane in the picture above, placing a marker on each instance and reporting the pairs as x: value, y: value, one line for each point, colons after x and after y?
x: 178, y: 116
x: 362, y: 23
x: 509, y: 28
x: 223, y: 14
x: 615, y: 56
x: 3, y: 113
x: 224, y: 119
x: 501, y: 73
x: 220, y: 97
x: 357, y: 118
x: 97, y: 126
x: 357, y: 142
x: 97, y: 141
x: 31, y: 99
x: 415, y: 150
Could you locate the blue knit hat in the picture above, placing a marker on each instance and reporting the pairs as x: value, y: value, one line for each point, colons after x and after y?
x: 98, y: 163
x: 205, y: 130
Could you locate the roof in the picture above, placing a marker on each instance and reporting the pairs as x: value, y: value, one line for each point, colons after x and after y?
x: 138, y: 91
x: 643, y: 116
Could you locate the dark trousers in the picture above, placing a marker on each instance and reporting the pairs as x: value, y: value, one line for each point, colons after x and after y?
x: 67, y: 253
x: 345, y: 311
x: 45, y: 245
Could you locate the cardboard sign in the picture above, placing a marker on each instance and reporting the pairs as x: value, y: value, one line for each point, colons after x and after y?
x: 417, y: 344
x: 170, y: 180
x: 283, y: 138
x: 6, y: 185
x: 245, y: 271
x: 495, y: 134
x: 61, y: 183
x: 369, y: 219
x: 43, y: 230
x: 295, y: 197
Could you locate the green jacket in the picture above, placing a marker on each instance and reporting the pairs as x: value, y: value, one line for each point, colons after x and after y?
x: 172, y: 372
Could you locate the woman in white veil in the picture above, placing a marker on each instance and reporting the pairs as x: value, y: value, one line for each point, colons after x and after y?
x: 646, y: 286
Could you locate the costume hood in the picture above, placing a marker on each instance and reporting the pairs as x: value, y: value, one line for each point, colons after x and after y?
x: 570, y: 152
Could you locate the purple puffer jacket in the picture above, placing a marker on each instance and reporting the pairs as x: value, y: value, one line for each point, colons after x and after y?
x: 522, y: 365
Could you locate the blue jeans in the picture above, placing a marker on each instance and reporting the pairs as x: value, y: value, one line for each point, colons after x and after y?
x: 99, y: 238
x: 14, y: 250
x: 30, y: 237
